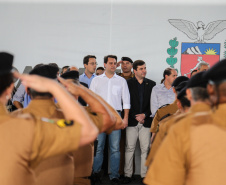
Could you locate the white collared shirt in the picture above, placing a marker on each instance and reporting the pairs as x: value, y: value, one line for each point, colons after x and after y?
x: 160, y: 95
x: 113, y: 90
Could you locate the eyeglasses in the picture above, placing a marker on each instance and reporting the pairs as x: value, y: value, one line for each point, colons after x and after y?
x: 93, y: 63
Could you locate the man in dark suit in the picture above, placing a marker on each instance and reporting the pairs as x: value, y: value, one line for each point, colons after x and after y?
x: 139, y: 121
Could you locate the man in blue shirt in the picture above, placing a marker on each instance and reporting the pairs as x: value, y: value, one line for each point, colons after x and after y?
x: 90, y: 65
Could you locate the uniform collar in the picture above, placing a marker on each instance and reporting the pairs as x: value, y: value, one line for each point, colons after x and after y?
x: 201, y: 106
x: 44, y: 107
x: 3, y: 110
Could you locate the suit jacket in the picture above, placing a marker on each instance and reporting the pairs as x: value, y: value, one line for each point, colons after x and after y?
x: 135, y: 104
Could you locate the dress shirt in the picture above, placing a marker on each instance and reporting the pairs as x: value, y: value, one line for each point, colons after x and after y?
x: 141, y: 94
x: 83, y: 78
x: 160, y: 96
x: 27, y: 100
x: 113, y: 90
x: 19, y: 95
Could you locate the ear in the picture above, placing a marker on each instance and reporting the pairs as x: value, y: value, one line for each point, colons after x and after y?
x: 104, y: 65
x: 179, y: 104
x: 174, y: 90
x: 9, y: 90
x: 210, y: 89
x: 189, y: 96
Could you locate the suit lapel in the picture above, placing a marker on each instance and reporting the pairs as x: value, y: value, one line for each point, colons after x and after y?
x: 145, y: 97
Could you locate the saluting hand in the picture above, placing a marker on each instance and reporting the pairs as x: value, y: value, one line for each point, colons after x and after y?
x: 70, y: 86
x: 38, y: 83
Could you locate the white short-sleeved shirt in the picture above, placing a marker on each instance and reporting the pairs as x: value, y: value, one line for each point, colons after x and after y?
x: 113, y: 90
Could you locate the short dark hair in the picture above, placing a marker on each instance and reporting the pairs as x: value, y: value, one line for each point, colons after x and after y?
x: 184, y: 102
x: 5, y: 80
x: 168, y: 72
x: 100, y: 68
x: 86, y: 59
x: 109, y: 56
x: 54, y: 65
x: 47, y: 71
x: 138, y: 63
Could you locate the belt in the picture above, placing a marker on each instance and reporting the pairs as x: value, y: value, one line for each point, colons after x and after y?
x: 119, y: 111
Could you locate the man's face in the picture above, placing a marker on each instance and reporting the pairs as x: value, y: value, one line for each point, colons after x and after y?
x: 99, y: 72
x: 140, y: 72
x: 204, y: 68
x: 110, y: 66
x: 171, y: 77
x: 126, y: 66
x: 92, y: 65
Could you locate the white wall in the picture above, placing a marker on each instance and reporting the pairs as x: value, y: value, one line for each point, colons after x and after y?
x: 65, y: 31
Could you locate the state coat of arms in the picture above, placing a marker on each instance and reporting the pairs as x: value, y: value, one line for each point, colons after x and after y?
x: 194, y: 53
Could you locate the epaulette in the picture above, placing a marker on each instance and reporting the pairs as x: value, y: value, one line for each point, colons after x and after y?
x: 163, y: 106
x: 60, y: 123
x: 200, y: 118
x: 165, y: 116
x: 180, y: 116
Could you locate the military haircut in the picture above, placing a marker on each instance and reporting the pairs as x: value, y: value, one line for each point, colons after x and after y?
x: 35, y: 94
x: 184, y: 102
x: 100, y: 68
x: 199, y: 93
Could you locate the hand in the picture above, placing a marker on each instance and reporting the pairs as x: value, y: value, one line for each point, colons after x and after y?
x: 141, y: 122
x: 153, y: 137
x: 140, y: 117
x: 38, y: 83
x: 125, y: 123
x: 70, y: 86
x: 118, y: 63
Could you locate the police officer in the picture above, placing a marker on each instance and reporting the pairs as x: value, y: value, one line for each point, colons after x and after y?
x: 83, y: 157
x: 26, y: 141
x: 193, y: 152
x: 167, y: 109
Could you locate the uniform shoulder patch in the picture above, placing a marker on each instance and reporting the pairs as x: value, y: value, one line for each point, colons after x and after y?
x: 60, y: 123
x: 64, y: 123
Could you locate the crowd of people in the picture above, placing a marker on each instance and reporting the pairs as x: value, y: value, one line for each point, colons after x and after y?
x: 54, y: 126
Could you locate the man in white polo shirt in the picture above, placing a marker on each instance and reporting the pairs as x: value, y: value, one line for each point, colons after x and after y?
x: 114, y: 90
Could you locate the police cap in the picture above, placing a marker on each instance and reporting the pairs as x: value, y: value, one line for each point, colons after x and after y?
x: 70, y: 75
x: 181, y: 86
x: 178, y: 80
x: 197, y: 80
x: 127, y: 59
x: 47, y: 71
x: 182, y: 89
x: 216, y: 73
x: 6, y: 62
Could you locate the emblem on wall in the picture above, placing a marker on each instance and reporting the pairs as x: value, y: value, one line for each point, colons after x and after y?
x: 192, y: 54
